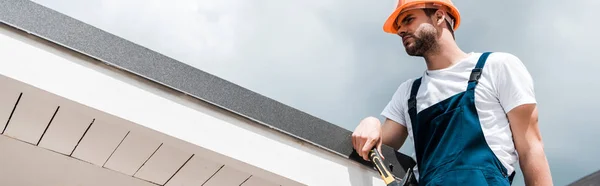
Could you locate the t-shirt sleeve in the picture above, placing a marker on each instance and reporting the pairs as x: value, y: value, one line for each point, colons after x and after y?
x: 396, y: 107
x: 514, y: 84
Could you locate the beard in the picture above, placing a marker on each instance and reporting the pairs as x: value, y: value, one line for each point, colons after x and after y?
x: 423, y: 44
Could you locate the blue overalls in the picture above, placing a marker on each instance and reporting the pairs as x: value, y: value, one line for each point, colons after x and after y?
x: 449, y: 141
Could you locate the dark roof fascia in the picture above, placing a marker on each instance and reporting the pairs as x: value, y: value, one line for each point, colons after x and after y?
x: 591, y: 179
x: 80, y: 37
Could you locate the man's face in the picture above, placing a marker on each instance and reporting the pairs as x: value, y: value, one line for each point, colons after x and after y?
x: 419, y: 36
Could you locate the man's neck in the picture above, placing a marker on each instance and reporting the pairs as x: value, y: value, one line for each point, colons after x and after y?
x: 446, y: 55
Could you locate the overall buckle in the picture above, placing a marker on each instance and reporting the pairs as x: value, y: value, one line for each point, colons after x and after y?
x: 475, y: 75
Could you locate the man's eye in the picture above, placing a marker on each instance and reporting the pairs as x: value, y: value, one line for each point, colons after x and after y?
x: 407, y: 20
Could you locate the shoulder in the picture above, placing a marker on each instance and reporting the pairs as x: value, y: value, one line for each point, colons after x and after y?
x: 397, y: 106
x: 500, y: 65
x: 403, y: 90
x: 407, y: 85
x: 500, y: 61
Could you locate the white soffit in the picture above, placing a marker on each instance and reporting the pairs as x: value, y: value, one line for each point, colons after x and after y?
x: 94, y: 144
x: 24, y: 164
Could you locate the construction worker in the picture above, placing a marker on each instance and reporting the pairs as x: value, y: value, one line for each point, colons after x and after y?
x: 468, y: 115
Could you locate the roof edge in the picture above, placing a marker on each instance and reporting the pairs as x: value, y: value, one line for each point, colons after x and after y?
x: 93, y: 42
x: 587, y: 179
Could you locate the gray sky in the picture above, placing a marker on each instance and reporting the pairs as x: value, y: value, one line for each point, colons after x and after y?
x: 331, y: 59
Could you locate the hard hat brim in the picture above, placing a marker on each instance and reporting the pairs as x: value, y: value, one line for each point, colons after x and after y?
x: 389, y: 27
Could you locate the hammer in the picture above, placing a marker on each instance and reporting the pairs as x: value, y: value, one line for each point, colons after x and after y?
x: 386, y: 174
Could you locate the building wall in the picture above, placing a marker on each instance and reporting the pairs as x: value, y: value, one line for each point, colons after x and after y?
x: 218, y: 134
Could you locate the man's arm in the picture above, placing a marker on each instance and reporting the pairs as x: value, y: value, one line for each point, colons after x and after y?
x: 528, y: 142
x: 515, y: 92
x: 394, y: 134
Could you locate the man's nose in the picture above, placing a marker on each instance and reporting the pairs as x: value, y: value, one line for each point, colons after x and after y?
x: 401, y: 31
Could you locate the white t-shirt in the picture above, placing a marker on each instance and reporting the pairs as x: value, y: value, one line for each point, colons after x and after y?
x: 505, y: 84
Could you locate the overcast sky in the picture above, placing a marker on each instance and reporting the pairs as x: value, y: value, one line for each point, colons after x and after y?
x: 331, y: 59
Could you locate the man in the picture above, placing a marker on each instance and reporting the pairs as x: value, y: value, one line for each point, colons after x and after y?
x: 468, y: 115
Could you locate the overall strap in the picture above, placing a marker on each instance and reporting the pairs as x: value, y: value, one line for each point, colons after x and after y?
x: 511, y: 177
x: 476, y: 72
x: 412, y: 101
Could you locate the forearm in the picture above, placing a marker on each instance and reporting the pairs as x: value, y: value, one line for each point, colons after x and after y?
x: 534, y: 165
x: 394, y: 134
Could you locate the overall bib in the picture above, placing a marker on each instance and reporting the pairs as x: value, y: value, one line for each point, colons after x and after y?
x: 449, y: 143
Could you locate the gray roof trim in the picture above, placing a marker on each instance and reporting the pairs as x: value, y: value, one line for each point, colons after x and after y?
x: 83, y: 38
x: 591, y: 179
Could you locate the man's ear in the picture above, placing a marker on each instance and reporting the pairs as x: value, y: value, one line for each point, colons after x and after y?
x: 440, y: 17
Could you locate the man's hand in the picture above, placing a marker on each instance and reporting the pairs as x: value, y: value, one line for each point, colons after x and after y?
x: 528, y: 142
x: 366, y: 135
x: 370, y: 132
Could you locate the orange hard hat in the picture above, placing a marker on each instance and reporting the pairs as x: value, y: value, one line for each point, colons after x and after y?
x: 405, y: 5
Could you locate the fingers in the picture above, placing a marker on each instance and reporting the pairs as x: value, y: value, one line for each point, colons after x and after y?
x: 363, y: 144
x: 379, y: 149
x: 367, y: 147
x: 366, y: 135
x: 358, y: 141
